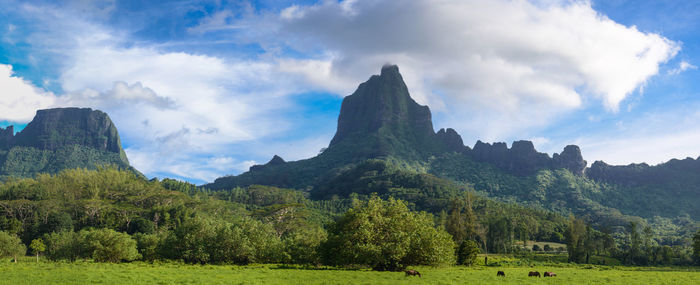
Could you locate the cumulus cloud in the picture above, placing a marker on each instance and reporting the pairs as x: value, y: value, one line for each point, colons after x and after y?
x: 512, y: 65
x: 19, y: 98
x: 491, y: 69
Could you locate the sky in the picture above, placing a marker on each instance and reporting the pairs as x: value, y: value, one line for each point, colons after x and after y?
x: 202, y: 89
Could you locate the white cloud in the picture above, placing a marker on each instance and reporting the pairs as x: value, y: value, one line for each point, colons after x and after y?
x: 19, y: 98
x: 494, y: 67
x: 489, y: 69
x: 653, y: 138
x: 682, y: 66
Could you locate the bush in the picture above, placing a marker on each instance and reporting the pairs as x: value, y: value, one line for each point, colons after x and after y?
x: 11, y: 246
x: 536, y: 247
x: 202, y: 241
x: 386, y: 235
x: 547, y: 247
x: 302, y: 245
x: 102, y: 245
x: 189, y: 242
x: 147, y: 245
x: 107, y: 245
x: 67, y: 245
x: 467, y: 252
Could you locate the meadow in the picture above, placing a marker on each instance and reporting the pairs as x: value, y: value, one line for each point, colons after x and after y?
x: 28, y: 271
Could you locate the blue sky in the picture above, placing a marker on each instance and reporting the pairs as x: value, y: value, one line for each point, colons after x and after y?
x: 201, y: 89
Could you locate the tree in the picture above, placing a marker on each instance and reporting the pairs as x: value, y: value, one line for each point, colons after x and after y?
x: 147, y: 245
x: 302, y: 244
x: 467, y: 252
x: 696, y: 247
x: 536, y: 247
x: 386, y: 235
x: 107, y: 245
x: 11, y: 246
x: 634, y: 252
x: 64, y: 245
x: 37, y: 247
x: 461, y: 221
x: 575, y: 239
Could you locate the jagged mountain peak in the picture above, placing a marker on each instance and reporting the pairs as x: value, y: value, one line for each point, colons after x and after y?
x: 382, y: 113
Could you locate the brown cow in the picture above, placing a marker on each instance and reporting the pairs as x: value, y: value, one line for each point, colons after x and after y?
x: 534, y: 274
x: 412, y: 272
x: 501, y: 273
x: 549, y: 274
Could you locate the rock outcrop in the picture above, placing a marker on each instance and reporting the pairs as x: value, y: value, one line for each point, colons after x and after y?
x: 451, y: 139
x: 61, y: 138
x: 276, y: 160
x: 381, y: 119
x: 522, y: 158
x: 570, y: 159
x: 6, y: 136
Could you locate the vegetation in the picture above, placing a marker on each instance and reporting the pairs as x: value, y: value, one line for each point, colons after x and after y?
x: 386, y: 235
x: 176, y: 273
x: 11, y: 246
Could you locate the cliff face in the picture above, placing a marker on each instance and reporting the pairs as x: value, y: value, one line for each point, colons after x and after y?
x: 61, y: 138
x: 6, y: 136
x: 522, y: 158
x: 383, y: 104
x: 381, y: 119
x: 54, y: 128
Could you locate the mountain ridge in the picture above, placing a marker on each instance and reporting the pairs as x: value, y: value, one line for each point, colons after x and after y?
x: 381, y: 123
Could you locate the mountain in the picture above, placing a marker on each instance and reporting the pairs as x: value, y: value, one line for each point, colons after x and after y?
x: 385, y: 143
x: 58, y: 139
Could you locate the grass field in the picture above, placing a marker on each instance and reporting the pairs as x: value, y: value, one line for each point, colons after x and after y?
x: 27, y: 272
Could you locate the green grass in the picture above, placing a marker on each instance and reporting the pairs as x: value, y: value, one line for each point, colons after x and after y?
x: 30, y: 272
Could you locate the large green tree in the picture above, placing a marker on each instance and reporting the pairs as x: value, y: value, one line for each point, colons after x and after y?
x: 386, y: 235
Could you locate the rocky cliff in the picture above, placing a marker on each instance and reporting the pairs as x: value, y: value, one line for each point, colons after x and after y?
x: 61, y: 138
x: 522, y: 158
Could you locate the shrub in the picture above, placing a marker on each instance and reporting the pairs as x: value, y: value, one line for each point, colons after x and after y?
x: 536, y: 247
x: 147, y: 246
x: 242, y: 242
x: 11, y: 246
x: 102, y: 245
x: 302, y: 245
x: 467, y: 252
x: 66, y: 245
x: 547, y: 247
x: 107, y: 245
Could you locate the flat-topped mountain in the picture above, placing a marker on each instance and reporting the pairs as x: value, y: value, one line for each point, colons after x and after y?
x: 61, y: 138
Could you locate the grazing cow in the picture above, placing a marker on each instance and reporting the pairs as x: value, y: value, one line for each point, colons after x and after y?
x: 549, y: 274
x: 412, y: 273
x: 501, y: 273
x: 534, y: 274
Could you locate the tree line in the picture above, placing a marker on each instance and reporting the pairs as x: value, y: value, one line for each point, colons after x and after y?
x: 112, y: 215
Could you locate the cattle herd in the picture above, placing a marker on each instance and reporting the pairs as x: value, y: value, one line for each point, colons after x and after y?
x: 535, y: 274
x: 531, y: 274
x: 499, y: 273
